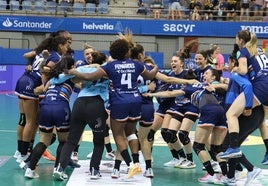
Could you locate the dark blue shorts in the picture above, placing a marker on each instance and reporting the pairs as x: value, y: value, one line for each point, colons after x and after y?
x: 25, y: 87
x: 212, y: 115
x: 126, y: 111
x: 54, y: 115
x: 260, y: 91
x: 147, y: 113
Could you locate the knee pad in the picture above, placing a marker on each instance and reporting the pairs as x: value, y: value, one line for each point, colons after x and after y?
x: 164, y: 134
x: 198, y: 147
x: 183, y: 136
x: 132, y: 137
x: 172, y: 136
x: 22, y: 121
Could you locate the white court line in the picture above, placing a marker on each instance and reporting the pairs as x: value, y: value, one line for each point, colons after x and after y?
x: 80, y: 176
x: 9, y: 131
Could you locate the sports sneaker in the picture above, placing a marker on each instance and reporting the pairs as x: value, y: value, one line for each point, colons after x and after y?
x: 252, y: 175
x: 47, y: 155
x: 89, y: 155
x: 133, y: 169
x: 23, y: 165
x: 21, y: 158
x: 264, y: 161
x: 63, y: 175
x: 229, y: 181
x: 110, y: 155
x: 31, y: 174
x: 231, y: 153
x: 149, y: 173
x: 73, y: 164
x: 215, y: 165
x: 115, y: 174
x: 172, y: 162
x: 221, y: 178
x: 16, y: 154
x: 74, y: 156
x: 187, y: 164
x: 178, y: 164
x: 239, y: 175
x: 59, y: 174
x: 95, y: 174
x: 207, y: 178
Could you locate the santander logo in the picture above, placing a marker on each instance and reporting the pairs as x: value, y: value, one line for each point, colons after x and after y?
x: 7, y: 23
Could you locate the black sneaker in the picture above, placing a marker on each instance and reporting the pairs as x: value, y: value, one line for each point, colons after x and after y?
x: 95, y: 174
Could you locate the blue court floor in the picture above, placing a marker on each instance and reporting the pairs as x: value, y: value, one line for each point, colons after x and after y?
x: 12, y: 175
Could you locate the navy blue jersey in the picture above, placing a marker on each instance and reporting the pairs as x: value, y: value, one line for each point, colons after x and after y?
x: 124, y: 77
x: 165, y: 86
x: 35, y: 72
x: 54, y: 56
x: 200, y: 73
x: 196, y: 91
x: 258, y: 73
x: 58, y: 93
x: 257, y: 65
x: 30, y: 80
x: 80, y: 63
x: 145, y: 82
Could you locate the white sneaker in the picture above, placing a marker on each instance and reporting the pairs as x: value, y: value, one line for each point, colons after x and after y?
x: 31, y: 174
x: 252, y: 175
x: 21, y: 158
x: 63, y: 175
x: 95, y: 174
x: 172, y: 162
x: 115, y: 174
x: 16, y: 154
x: 89, y: 155
x: 239, y: 175
x: 149, y: 173
x: 59, y: 174
x: 222, y: 179
x: 209, y: 179
x: 181, y: 160
x: 229, y: 181
x: 74, y: 156
x: 24, y: 165
x: 187, y: 164
x: 110, y: 155
x: 133, y: 169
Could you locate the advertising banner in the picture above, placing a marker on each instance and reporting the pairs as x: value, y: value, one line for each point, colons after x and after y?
x: 137, y: 26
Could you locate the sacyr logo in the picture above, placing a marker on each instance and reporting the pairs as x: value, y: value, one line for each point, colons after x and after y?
x: 7, y: 23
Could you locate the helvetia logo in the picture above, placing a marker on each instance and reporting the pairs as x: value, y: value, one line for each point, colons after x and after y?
x: 7, y: 23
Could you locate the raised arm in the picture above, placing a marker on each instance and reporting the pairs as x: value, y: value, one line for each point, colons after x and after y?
x: 174, y: 80
x: 99, y: 73
x: 150, y: 74
x: 166, y: 94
